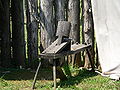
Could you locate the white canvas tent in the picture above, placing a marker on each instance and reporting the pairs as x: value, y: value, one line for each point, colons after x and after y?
x: 106, y: 15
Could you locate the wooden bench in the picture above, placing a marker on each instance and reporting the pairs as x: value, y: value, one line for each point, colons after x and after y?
x: 61, y: 47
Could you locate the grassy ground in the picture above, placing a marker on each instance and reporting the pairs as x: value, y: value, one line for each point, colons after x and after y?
x: 80, y: 80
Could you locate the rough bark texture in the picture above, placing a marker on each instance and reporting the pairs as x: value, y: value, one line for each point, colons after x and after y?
x: 74, y: 18
x: 59, y: 11
x: 88, y: 30
x: 32, y: 31
x: 0, y: 32
x: 66, y: 10
x: 47, y: 26
x: 5, y: 31
x: 0, y: 45
x: 18, y: 41
x: 63, y: 28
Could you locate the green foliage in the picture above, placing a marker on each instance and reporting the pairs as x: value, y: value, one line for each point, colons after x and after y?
x: 3, y: 83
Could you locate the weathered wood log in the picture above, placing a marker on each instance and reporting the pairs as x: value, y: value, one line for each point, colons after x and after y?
x: 59, y: 7
x: 47, y: 24
x: 18, y: 40
x: 47, y: 33
x: 0, y: 34
x: 5, y: 31
x: 66, y: 10
x: 60, y: 10
x: 0, y: 50
x: 74, y: 19
x: 32, y: 32
x: 88, y: 30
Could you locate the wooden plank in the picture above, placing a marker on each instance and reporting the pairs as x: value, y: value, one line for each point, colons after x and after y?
x: 75, y: 49
x: 53, y: 49
x: 51, y: 46
x: 59, y: 48
x: 77, y: 46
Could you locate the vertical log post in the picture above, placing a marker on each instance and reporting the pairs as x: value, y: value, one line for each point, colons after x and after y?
x: 59, y: 11
x: 18, y: 40
x: 46, y: 20
x: 32, y: 32
x: 1, y: 7
x: 88, y: 30
x: 74, y: 18
x: 47, y: 33
x: 5, y: 33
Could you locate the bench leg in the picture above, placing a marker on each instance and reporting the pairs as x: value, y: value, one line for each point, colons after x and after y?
x: 34, y: 81
x: 54, y: 73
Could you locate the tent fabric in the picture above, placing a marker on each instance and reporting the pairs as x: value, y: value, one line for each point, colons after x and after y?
x: 106, y: 16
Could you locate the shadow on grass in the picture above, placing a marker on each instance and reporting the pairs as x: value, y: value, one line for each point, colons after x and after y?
x: 83, y: 74
x: 22, y: 74
x: 46, y: 74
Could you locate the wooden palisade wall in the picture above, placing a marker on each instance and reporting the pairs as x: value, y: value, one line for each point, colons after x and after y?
x: 41, y: 15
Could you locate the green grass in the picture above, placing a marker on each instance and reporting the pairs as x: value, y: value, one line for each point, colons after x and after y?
x: 80, y: 80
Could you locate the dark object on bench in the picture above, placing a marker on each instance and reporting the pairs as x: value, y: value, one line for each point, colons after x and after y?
x: 61, y: 47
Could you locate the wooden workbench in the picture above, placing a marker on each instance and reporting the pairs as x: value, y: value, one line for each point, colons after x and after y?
x: 47, y: 54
